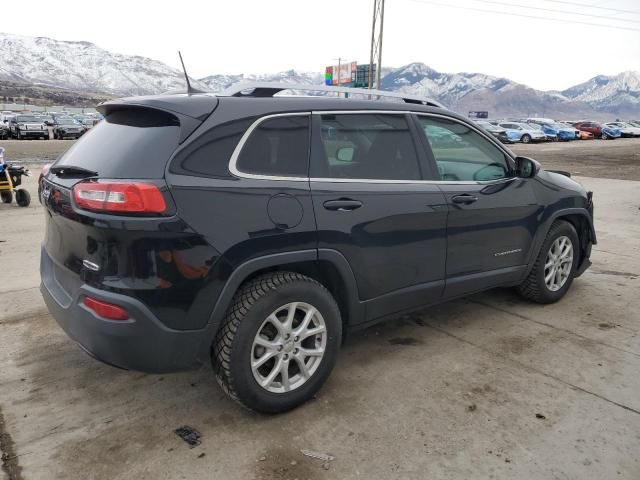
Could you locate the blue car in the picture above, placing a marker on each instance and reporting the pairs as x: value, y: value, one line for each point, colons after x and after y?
x: 610, y: 132
x: 563, y: 132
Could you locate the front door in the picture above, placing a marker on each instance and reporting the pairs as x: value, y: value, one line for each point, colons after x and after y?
x: 372, y: 206
x: 492, y: 213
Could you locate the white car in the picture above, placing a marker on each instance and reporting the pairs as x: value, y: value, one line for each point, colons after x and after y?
x: 528, y: 133
x: 626, y: 129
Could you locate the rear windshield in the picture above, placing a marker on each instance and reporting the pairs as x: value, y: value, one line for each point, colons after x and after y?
x: 128, y: 143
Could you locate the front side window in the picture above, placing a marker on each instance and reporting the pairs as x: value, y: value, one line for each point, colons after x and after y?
x: 366, y: 146
x: 278, y: 146
x: 461, y: 153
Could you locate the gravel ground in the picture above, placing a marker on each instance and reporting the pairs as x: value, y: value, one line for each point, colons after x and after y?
x: 593, y: 158
x: 484, y: 387
x: 618, y: 158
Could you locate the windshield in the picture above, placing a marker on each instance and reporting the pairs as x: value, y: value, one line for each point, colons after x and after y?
x: 487, y: 125
x: 66, y: 121
x: 27, y: 118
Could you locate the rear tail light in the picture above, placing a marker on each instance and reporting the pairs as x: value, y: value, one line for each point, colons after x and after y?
x: 106, y: 310
x: 119, y: 197
x: 44, y: 171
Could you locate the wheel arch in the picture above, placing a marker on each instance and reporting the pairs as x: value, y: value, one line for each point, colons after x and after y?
x: 580, y: 219
x: 328, y: 267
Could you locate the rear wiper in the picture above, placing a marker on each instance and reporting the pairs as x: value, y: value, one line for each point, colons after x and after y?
x: 71, y: 171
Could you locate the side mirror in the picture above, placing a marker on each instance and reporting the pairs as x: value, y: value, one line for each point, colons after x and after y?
x: 345, y: 154
x: 526, y: 167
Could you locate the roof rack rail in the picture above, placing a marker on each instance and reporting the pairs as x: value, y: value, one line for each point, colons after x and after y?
x: 269, y: 89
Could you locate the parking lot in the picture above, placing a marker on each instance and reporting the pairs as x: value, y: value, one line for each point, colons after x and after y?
x: 488, y: 386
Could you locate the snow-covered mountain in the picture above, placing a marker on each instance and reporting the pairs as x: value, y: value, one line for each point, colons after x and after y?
x: 599, y: 97
x: 82, y: 66
x: 216, y: 83
x: 608, y: 91
x: 449, y: 88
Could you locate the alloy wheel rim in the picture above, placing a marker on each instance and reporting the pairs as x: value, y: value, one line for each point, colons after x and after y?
x: 288, y: 347
x: 557, y: 266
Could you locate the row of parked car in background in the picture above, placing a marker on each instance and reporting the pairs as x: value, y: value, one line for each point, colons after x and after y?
x: 30, y: 125
x: 533, y: 130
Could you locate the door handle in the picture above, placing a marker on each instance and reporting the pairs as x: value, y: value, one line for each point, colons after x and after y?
x: 464, y: 199
x: 342, y: 205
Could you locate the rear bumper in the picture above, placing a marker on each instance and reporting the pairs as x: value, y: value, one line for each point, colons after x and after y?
x: 70, y: 135
x: 34, y: 133
x: 140, y: 343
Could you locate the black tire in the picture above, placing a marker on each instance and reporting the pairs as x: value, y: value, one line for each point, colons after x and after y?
x: 7, y: 197
x: 604, y: 136
x: 526, y: 138
x: 231, y: 351
x: 23, y: 198
x: 534, y: 287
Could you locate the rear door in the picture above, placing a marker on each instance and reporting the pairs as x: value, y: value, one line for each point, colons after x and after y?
x: 492, y: 213
x: 373, y: 207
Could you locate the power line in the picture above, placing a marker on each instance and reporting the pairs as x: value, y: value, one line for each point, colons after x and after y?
x: 637, y: 22
x: 611, y: 9
x: 460, y: 7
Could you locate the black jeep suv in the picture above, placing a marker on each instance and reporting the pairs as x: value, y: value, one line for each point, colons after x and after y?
x: 257, y: 230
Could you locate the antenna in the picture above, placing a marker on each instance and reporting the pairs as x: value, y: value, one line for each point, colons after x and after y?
x: 190, y: 89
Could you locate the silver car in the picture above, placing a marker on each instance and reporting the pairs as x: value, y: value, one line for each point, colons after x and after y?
x: 528, y: 133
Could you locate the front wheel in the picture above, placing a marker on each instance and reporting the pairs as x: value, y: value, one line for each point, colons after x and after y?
x: 278, y: 343
x: 23, y: 198
x: 526, y: 138
x: 554, y: 268
x: 604, y: 136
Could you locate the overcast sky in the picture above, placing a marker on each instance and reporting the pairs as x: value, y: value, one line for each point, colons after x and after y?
x: 264, y: 36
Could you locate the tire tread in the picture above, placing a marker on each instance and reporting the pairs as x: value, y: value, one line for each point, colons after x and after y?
x: 246, y: 296
x: 530, y: 288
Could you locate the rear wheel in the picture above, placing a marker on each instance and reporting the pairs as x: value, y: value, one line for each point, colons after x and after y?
x: 278, y: 343
x: 7, y: 197
x: 554, y: 268
x: 23, y: 198
x: 526, y: 138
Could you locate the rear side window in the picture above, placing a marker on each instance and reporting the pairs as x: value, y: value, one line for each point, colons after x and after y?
x: 209, y: 154
x: 367, y: 146
x: 278, y: 146
x: 128, y: 143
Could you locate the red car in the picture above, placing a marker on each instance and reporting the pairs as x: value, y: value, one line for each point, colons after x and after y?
x: 591, y: 127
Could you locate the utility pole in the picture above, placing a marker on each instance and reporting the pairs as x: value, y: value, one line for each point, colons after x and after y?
x: 377, y: 26
x: 339, y: 68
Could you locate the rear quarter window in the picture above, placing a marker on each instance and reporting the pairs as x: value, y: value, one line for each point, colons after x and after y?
x: 128, y: 143
x: 209, y: 154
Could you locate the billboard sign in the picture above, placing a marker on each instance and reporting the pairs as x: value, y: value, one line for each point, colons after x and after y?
x: 476, y: 114
x: 340, y: 74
